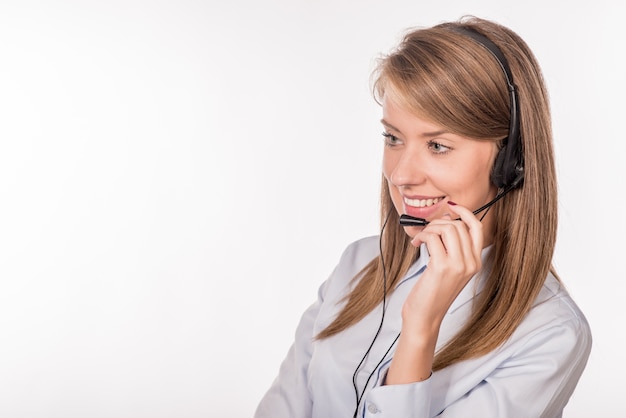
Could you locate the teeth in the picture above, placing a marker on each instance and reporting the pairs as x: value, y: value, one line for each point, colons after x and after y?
x: 421, y: 203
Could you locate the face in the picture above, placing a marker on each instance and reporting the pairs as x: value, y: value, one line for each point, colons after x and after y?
x: 426, y: 166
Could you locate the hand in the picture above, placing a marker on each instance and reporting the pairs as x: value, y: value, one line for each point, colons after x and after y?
x: 455, y: 248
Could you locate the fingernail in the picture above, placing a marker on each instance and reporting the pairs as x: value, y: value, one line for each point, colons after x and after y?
x: 451, y: 203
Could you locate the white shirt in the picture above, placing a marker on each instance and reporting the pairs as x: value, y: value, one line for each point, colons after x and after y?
x: 533, y: 374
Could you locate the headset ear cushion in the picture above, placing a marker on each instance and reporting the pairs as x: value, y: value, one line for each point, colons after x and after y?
x: 499, y: 173
x: 508, y: 169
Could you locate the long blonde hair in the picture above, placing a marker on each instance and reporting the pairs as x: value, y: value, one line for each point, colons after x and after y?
x: 450, y: 79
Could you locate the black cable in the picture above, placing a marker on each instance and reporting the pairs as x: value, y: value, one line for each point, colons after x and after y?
x: 380, y: 326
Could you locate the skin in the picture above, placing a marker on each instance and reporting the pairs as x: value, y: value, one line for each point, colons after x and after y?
x: 423, y: 161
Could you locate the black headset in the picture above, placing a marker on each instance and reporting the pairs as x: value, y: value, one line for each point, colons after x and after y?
x: 508, y: 169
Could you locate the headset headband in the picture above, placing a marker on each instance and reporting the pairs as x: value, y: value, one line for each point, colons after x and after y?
x: 508, y: 171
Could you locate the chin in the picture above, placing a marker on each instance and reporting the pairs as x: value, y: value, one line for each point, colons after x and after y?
x: 412, y: 231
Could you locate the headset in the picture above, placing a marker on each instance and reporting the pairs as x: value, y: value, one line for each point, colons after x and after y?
x: 507, y: 174
x: 508, y: 169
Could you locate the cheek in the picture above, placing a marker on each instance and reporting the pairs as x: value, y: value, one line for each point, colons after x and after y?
x: 394, y: 191
x: 475, y: 183
x: 482, y: 173
x: 388, y: 165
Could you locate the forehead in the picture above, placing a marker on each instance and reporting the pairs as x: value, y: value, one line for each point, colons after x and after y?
x: 397, y: 117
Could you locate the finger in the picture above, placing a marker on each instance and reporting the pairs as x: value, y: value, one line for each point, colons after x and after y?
x: 455, y: 243
x: 450, y: 233
x: 462, y: 240
x: 474, y: 226
x: 417, y: 242
x: 435, y: 246
x: 449, y: 257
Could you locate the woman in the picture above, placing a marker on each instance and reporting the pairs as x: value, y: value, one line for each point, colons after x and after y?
x: 455, y: 310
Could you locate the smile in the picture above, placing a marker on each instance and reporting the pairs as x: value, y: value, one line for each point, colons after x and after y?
x: 421, y: 203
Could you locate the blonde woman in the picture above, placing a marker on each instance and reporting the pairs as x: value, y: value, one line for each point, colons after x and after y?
x: 455, y: 309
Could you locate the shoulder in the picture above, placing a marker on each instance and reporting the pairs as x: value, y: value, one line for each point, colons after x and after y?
x: 555, y: 298
x: 332, y: 294
x: 353, y: 259
x: 360, y: 252
x: 555, y: 313
x: 356, y: 256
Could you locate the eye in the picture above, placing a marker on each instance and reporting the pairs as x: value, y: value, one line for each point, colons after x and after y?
x: 391, y: 140
x: 438, y: 148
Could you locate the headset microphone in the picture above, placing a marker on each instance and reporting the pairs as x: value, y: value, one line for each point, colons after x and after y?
x: 508, y: 170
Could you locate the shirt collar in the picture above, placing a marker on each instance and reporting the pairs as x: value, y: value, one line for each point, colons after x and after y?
x: 418, y: 266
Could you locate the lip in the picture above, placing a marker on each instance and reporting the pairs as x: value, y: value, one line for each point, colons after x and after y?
x: 422, y: 212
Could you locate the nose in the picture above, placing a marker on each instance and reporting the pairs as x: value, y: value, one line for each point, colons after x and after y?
x: 405, y: 167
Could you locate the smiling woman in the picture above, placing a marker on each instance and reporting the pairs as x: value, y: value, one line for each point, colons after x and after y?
x: 460, y: 314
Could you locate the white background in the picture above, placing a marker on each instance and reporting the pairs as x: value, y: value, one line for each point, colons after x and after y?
x: 178, y: 177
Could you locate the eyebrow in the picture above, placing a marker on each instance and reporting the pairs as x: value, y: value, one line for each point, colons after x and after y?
x: 425, y: 134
